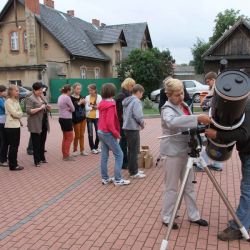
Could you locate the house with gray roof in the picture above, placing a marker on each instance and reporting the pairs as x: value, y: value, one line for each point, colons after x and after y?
x: 233, y: 45
x: 38, y: 42
x: 137, y: 36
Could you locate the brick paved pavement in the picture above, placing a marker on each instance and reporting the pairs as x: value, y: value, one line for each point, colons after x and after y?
x: 63, y: 205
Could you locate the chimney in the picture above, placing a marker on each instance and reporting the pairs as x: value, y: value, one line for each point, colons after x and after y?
x: 96, y: 22
x: 33, y: 6
x: 71, y: 12
x: 49, y: 3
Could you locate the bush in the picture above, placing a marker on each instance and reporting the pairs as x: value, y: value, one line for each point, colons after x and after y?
x: 148, y: 68
x: 148, y: 104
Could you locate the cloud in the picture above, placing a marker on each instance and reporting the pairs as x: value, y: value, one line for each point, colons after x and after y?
x: 173, y: 24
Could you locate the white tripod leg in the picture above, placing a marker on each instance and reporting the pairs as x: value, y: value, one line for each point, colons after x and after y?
x: 225, y: 200
x: 189, y: 166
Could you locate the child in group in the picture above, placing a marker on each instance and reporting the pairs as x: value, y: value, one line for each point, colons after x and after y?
x: 92, y: 114
x: 109, y: 133
x: 132, y: 124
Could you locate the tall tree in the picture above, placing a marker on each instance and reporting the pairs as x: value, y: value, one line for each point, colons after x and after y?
x: 198, y: 49
x: 223, y: 21
x: 149, y: 67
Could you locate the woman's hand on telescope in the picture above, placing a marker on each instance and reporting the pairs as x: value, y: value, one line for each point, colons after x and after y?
x: 211, y: 133
x: 204, y: 119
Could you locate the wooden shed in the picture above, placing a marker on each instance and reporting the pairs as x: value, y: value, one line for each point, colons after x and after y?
x: 233, y: 45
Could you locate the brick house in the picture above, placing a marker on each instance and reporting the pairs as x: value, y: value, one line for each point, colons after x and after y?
x: 38, y: 42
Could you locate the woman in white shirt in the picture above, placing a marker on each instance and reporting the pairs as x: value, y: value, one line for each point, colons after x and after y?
x: 12, y: 126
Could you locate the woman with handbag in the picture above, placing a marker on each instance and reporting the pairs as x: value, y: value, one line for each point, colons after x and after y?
x: 37, y: 110
x: 78, y: 119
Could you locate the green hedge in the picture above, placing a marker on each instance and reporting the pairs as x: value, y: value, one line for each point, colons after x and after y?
x: 57, y: 84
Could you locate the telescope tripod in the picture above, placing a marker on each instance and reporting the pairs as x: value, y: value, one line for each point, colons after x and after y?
x: 189, y: 166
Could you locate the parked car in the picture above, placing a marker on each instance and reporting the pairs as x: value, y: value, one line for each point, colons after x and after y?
x: 22, y: 94
x: 28, y: 88
x: 194, y: 88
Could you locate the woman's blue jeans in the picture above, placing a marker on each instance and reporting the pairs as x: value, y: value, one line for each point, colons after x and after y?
x: 109, y: 142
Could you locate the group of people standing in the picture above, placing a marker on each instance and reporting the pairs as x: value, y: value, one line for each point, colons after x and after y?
x: 116, y: 122
x: 75, y: 112
x: 11, y: 113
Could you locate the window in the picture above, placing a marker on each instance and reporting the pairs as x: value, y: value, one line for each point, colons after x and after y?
x: 16, y: 82
x: 117, y: 56
x: 25, y: 45
x: 189, y: 84
x: 14, y: 43
x: 97, y: 73
x: 83, y: 73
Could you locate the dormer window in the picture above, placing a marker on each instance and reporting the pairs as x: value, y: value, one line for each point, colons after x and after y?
x: 25, y: 45
x: 14, y: 42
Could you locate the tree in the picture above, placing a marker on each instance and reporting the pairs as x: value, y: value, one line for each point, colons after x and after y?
x: 223, y: 21
x: 198, y: 49
x: 149, y: 67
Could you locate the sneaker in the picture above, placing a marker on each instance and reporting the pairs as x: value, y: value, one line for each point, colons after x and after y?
x: 17, y: 168
x: 75, y: 153
x: 138, y: 176
x: 121, y: 182
x: 230, y: 234
x: 107, y: 181
x: 99, y: 150
x: 69, y: 158
x: 140, y: 172
x: 84, y: 153
x: 94, y: 151
x: 213, y: 167
x: 4, y: 164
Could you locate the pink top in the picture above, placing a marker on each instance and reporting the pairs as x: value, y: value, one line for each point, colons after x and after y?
x: 65, y: 107
x: 108, y: 119
x: 185, y: 110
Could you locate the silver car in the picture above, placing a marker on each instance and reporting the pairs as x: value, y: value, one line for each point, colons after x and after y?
x: 194, y: 88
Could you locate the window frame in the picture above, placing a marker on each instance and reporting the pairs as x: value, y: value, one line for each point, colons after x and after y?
x: 17, y: 40
x: 97, y: 73
x: 117, y: 56
x: 25, y: 44
x: 83, y: 72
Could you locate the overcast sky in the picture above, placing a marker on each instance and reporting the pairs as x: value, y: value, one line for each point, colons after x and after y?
x: 174, y: 24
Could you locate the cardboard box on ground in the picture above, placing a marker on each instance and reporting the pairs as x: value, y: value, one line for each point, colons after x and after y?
x: 145, y: 158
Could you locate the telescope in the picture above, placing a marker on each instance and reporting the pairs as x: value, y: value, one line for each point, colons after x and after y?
x: 231, y: 92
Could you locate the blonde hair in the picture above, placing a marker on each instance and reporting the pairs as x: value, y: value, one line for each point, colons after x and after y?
x: 128, y: 82
x: 173, y: 85
x: 166, y: 80
x: 10, y: 90
x: 77, y: 84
